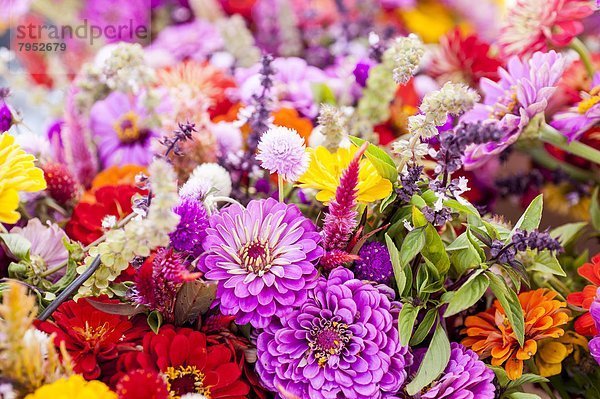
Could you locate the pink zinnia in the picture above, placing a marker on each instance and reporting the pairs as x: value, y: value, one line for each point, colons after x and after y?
x: 531, y: 25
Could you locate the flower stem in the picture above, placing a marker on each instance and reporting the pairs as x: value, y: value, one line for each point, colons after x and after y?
x: 552, y: 136
x: 542, y: 157
x: 280, y: 187
x: 584, y: 55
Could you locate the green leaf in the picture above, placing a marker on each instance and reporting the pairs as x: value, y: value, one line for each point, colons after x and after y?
x: 511, y: 305
x: 399, y: 274
x: 467, y: 295
x: 18, y: 245
x: 464, y: 208
x: 412, y: 245
x: 567, y: 233
x: 418, y: 201
x: 388, y: 201
x: 435, y: 251
x: 595, y: 209
x: 501, y: 375
x: 406, y: 322
x: 424, y: 327
x: 526, y: 379
x: 122, y: 309
x: 380, y: 159
x: 193, y: 299
x: 545, y: 262
x: 522, y: 395
x: 155, y: 320
x: 418, y: 218
x: 434, y: 362
x: 530, y: 220
x: 322, y: 93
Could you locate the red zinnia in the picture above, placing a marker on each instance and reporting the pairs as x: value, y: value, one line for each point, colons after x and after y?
x: 189, y: 365
x: 85, y: 225
x: 584, y: 324
x: 92, y: 337
x: 463, y: 58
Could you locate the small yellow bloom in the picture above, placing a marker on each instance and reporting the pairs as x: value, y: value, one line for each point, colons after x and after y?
x: 551, y: 353
x: 428, y: 19
x: 326, y: 168
x: 74, y: 387
x: 17, y: 173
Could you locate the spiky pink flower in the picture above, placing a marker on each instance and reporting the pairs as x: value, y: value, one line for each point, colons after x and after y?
x: 533, y: 25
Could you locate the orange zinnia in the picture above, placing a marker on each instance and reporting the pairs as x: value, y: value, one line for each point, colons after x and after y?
x: 489, y: 333
x: 584, y: 324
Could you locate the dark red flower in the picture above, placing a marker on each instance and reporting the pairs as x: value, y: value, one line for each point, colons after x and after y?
x: 85, y: 225
x: 140, y: 384
x: 61, y: 184
x: 189, y: 364
x: 463, y: 58
x: 584, y: 324
x: 92, y: 337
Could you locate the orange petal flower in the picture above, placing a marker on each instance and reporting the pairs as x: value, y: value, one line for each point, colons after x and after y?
x: 584, y: 325
x: 490, y: 334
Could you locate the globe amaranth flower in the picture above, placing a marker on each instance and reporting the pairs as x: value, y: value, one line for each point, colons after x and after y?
x: 583, y: 299
x: 326, y: 168
x: 85, y: 224
x: 374, y: 264
x: 522, y: 92
x: 207, y: 179
x: 17, y: 173
x: 282, y: 151
x: 191, y: 230
x: 465, y: 377
x: 188, y: 364
x: 47, y: 250
x: 120, y: 127
x: 585, y: 115
x: 262, y: 257
x: 341, y: 342
x: 94, y: 339
x: 489, y: 333
x: 139, y: 384
x: 535, y: 25
x: 74, y: 387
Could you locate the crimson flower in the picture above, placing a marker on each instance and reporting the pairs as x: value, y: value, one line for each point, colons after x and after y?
x: 92, y: 337
x: 85, y: 225
x: 583, y: 299
x: 139, y: 384
x: 189, y: 364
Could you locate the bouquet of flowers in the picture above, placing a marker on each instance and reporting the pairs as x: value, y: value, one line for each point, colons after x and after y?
x: 291, y: 199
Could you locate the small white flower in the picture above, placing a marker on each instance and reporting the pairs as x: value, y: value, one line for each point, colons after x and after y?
x: 452, y: 98
x: 421, y: 126
x: 109, y: 222
x: 408, y: 226
x: 207, y: 178
x: 408, y: 52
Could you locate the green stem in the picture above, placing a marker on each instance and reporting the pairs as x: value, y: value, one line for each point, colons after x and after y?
x: 552, y: 136
x: 584, y: 55
x: 542, y: 157
x: 280, y: 187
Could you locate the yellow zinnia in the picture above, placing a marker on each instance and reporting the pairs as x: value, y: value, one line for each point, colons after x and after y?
x: 74, y: 387
x: 326, y: 168
x: 17, y: 173
x: 552, y: 352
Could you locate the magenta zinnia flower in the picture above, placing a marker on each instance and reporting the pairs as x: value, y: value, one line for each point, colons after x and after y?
x: 465, y: 377
x: 120, y: 130
x: 521, y: 93
x: 533, y: 25
x: 262, y: 257
x: 577, y: 120
x: 342, y: 342
x: 594, y: 343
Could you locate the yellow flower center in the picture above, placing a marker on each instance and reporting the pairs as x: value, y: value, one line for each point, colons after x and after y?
x: 588, y: 103
x: 127, y: 128
x: 92, y: 334
x: 182, y: 380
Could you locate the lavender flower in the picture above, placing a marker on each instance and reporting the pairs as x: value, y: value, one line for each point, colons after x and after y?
x: 523, y: 240
x: 262, y: 258
x: 196, y: 40
x: 437, y: 217
x: 281, y: 150
x: 410, y: 182
x: 522, y: 93
x: 6, y: 117
x: 465, y: 377
x: 259, y: 120
x: 374, y: 264
x: 191, y: 230
x: 342, y: 341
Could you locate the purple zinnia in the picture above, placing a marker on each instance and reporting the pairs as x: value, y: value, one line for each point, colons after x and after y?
x: 341, y: 342
x: 191, y: 230
x: 262, y: 257
x: 374, y: 264
x: 465, y: 377
x: 119, y: 127
x: 281, y: 150
x: 577, y: 120
x: 196, y: 40
x: 522, y: 93
x: 6, y: 117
